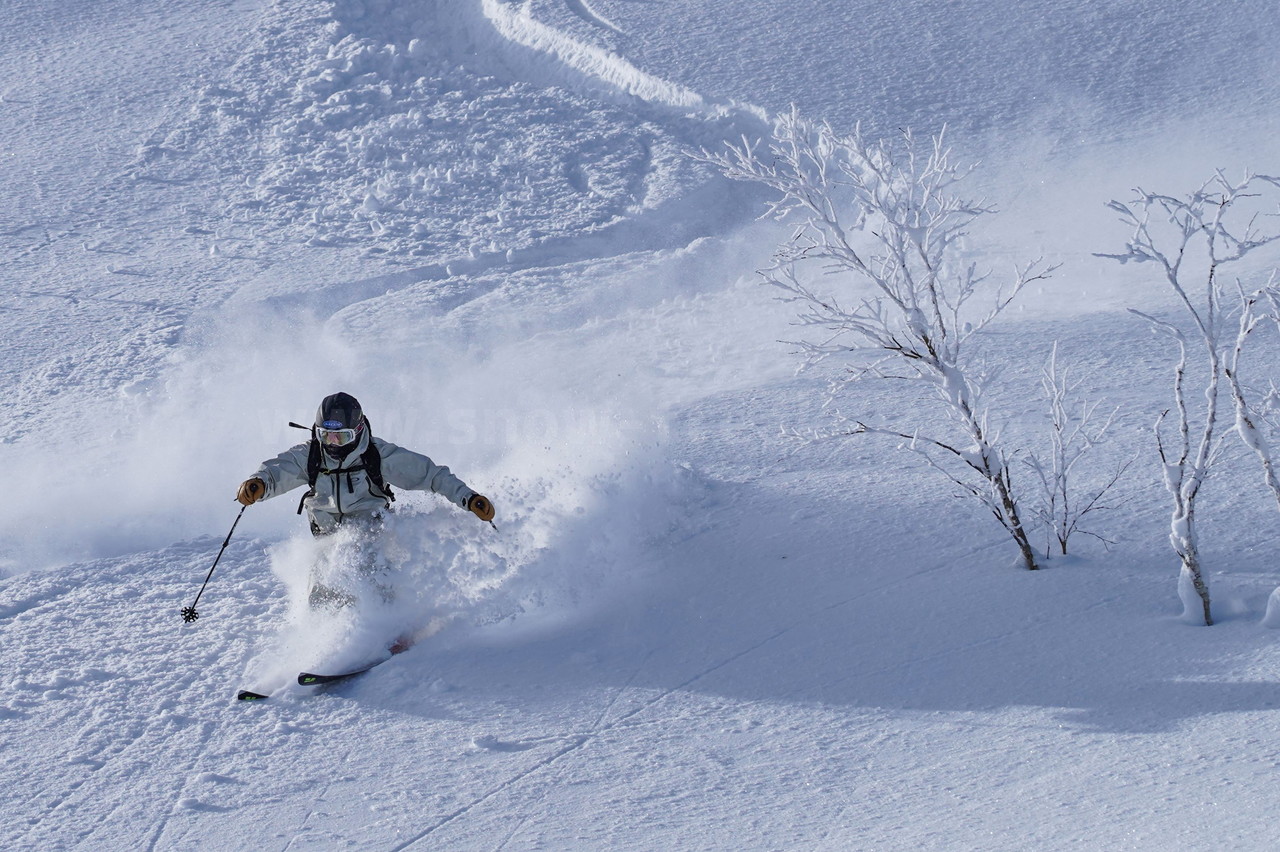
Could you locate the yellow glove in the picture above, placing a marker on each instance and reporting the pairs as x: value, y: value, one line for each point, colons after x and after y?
x: 251, y: 491
x: 480, y: 505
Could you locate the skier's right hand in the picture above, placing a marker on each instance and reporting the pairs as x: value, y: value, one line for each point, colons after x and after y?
x: 251, y: 491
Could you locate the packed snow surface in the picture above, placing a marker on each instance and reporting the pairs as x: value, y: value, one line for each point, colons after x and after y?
x: 688, y: 630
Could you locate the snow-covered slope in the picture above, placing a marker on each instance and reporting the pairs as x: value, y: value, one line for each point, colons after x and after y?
x: 481, y: 217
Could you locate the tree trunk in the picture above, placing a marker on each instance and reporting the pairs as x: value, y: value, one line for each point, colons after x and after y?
x: 1191, y: 566
x: 1028, y: 552
x: 1015, y: 525
x: 1183, y: 538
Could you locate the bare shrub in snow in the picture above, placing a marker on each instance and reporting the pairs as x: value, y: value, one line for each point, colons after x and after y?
x: 1191, y: 239
x: 1076, y: 429
x: 883, y: 219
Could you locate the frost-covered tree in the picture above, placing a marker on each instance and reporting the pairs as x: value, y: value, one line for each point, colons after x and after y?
x: 884, y: 220
x: 1191, y: 239
x: 1256, y: 420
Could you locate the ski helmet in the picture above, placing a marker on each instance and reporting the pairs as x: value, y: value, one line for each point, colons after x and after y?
x: 340, y: 424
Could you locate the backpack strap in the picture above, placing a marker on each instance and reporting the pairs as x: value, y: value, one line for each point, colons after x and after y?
x: 372, y: 462
x: 313, y: 468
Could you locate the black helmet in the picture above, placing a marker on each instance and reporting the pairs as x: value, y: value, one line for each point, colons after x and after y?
x: 340, y: 424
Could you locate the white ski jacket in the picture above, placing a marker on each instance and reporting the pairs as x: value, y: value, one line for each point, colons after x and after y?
x: 342, y: 492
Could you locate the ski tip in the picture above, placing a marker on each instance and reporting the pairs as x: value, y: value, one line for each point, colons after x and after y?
x: 307, y: 678
x: 246, y: 695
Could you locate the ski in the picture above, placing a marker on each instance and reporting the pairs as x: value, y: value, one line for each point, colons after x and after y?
x: 316, y: 679
x: 305, y: 679
x: 313, y: 679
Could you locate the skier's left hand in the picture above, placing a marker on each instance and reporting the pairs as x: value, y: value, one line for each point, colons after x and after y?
x: 480, y: 505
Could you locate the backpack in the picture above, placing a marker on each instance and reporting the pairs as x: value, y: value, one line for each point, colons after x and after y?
x: 370, y: 463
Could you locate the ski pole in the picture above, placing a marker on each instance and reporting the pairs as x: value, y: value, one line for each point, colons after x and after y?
x: 189, y: 613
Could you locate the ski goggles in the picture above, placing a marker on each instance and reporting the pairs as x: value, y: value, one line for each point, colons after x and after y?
x: 337, y: 437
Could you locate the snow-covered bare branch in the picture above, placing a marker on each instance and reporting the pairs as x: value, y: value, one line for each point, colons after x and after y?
x: 883, y: 221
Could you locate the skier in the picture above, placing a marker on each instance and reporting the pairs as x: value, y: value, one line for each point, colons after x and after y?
x: 350, y: 472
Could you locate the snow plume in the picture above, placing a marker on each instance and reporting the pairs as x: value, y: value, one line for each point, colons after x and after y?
x: 162, y: 463
x: 536, y: 419
x: 546, y: 388
x: 565, y: 545
x: 353, y: 595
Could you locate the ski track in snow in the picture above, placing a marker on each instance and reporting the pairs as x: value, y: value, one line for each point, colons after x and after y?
x: 584, y: 11
x: 320, y: 797
x: 569, y: 744
x: 574, y: 744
